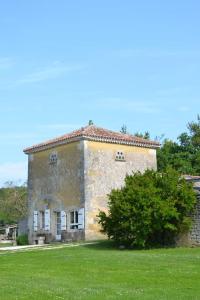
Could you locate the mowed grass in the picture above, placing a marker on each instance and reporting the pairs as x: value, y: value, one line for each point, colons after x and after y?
x: 5, y: 245
x: 100, y: 272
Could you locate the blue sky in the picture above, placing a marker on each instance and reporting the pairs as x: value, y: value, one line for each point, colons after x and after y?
x: 115, y: 62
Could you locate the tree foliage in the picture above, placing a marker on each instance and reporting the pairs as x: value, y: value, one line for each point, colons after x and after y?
x: 90, y: 122
x: 151, y: 209
x: 145, y: 135
x: 13, y: 203
x: 124, y: 129
x: 184, y: 155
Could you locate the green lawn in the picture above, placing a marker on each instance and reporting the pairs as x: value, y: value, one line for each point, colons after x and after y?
x: 100, y: 272
x: 5, y: 244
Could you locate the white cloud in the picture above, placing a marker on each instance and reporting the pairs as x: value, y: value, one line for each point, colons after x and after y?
x: 16, y: 172
x: 57, y: 69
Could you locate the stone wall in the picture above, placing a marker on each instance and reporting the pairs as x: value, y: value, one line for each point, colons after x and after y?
x: 23, y: 226
x: 58, y: 186
x: 73, y: 236
x: 192, y: 237
x: 195, y: 231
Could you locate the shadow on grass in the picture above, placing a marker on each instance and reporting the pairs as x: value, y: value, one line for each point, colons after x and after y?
x: 103, y: 245
x: 111, y: 245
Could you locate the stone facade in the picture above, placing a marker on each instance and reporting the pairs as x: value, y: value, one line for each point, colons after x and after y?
x: 55, y: 186
x: 194, y: 235
x: 103, y: 173
x: 192, y: 238
x: 69, y: 179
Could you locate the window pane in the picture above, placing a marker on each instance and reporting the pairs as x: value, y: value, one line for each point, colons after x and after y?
x: 43, y: 220
x: 76, y: 216
x: 71, y: 217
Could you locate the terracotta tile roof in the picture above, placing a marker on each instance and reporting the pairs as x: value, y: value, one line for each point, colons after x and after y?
x: 93, y: 133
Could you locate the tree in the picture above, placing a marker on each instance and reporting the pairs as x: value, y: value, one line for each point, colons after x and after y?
x: 145, y: 135
x: 183, y: 155
x: 194, y: 129
x: 124, y: 129
x: 151, y: 209
x: 90, y: 123
x: 13, y: 203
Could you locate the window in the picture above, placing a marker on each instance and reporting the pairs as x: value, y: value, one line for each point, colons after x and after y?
x: 63, y: 220
x: 74, y: 219
x: 35, y: 220
x: 53, y: 158
x: 42, y: 220
x: 58, y: 223
x: 120, y: 156
x: 47, y: 219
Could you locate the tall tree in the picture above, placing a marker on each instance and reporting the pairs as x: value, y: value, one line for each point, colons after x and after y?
x: 183, y: 155
x: 13, y: 203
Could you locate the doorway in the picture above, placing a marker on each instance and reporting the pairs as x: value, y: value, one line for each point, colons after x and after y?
x: 58, y: 226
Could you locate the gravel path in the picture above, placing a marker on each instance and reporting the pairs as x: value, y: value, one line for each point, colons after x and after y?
x: 41, y: 247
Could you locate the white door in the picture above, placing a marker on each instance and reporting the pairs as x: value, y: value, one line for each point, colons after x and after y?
x: 58, y: 226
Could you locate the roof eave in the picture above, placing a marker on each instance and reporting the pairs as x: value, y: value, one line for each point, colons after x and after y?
x: 44, y: 147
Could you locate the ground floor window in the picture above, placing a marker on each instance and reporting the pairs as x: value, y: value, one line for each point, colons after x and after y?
x: 42, y: 220
x: 58, y: 223
x: 74, y: 219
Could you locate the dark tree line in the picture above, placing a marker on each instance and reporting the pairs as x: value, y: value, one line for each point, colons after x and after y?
x: 183, y: 155
x: 13, y: 203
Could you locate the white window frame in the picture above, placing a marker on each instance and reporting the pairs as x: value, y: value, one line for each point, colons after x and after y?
x: 63, y: 220
x: 42, y: 220
x: 47, y: 219
x: 73, y: 225
x: 35, y: 220
x: 81, y: 218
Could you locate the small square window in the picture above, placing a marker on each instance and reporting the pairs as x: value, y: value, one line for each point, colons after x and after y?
x: 120, y: 156
x: 53, y: 158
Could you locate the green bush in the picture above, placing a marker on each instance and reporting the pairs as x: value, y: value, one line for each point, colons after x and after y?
x: 150, y: 210
x: 22, y: 240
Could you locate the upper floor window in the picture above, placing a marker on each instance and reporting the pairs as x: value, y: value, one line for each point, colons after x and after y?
x: 120, y: 156
x: 53, y: 158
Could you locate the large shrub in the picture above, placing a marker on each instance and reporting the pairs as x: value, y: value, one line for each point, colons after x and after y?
x: 151, y: 209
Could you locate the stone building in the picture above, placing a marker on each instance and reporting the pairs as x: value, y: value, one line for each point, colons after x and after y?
x: 69, y: 178
x: 193, y: 237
